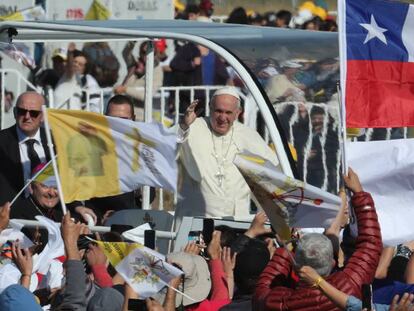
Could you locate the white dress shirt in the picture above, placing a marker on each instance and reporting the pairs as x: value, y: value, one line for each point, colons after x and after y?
x: 24, y: 157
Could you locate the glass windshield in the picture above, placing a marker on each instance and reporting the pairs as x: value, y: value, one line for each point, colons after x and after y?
x: 299, y: 72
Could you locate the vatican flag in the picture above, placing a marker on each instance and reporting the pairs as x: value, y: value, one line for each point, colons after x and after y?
x: 145, y: 270
x: 288, y: 202
x: 98, y: 11
x: 30, y: 14
x: 102, y: 156
x: 46, y: 175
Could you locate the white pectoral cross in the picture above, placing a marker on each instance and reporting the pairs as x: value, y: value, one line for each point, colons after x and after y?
x: 220, y: 174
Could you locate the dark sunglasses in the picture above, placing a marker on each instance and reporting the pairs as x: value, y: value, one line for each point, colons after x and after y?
x: 32, y: 113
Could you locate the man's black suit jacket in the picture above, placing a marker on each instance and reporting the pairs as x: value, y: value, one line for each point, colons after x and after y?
x: 11, y: 170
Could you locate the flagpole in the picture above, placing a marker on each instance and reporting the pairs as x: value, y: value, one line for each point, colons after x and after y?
x: 53, y: 156
x: 149, y: 81
x: 342, y: 87
x: 176, y: 290
x: 29, y: 182
x: 343, y: 130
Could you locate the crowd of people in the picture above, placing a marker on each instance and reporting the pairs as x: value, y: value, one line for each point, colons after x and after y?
x: 236, y: 270
x: 310, y: 15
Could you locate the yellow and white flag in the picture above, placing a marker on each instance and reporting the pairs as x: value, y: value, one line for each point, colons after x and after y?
x: 31, y: 14
x: 145, y: 270
x: 288, y: 202
x: 46, y: 175
x: 98, y: 11
x: 102, y: 156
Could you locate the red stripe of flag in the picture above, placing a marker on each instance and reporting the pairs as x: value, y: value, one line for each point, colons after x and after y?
x: 379, y: 94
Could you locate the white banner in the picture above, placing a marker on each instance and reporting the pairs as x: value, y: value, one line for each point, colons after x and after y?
x: 121, y: 9
x: 385, y: 169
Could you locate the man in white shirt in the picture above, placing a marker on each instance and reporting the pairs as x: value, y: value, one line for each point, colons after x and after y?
x: 22, y: 146
x: 212, y: 184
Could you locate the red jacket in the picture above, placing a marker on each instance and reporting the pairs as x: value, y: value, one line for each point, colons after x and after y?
x: 275, y: 291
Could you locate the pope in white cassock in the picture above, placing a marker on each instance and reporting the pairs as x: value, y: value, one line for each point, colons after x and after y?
x: 212, y: 185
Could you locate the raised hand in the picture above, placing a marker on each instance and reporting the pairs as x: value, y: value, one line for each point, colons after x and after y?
x: 22, y: 259
x: 70, y: 234
x: 258, y: 226
x: 84, y: 212
x: 229, y: 261
x: 352, y: 181
x: 95, y: 256
x: 214, y: 248
x: 24, y: 262
x: 189, y: 116
x: 193, y: 248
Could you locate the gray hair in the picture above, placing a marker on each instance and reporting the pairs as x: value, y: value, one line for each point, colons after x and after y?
x: 315, y: 250
x: 213, y: 100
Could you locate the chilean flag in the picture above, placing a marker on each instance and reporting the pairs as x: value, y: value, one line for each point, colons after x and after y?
x: 377, y: 62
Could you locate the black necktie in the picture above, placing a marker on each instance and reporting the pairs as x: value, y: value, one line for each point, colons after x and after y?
x: 33, y: 156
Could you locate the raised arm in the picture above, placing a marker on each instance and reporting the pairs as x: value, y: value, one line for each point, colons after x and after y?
x: 127, y: 54
x: 362, y: 265
x: 219, y: 286
x: 69, y: 71
x: 74, y: 297
x: 385, y: 260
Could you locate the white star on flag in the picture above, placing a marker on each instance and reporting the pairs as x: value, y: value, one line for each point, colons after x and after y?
x: 374, y: 31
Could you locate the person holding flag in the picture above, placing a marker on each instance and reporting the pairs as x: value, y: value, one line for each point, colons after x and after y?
x: 43, y: 199
x: 274, y: 290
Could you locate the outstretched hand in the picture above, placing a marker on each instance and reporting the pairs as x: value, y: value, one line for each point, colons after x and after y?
x: 70, y: 234
x: 258, y: 226
x: 214, y: 248
x: 189, y: 116
x: 23, y: 259
x: 352, y: 181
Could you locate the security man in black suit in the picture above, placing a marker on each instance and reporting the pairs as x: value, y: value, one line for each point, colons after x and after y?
x: 22, y: 146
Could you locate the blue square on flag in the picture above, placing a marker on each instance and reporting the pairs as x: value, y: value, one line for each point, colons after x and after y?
x: 376, y: 30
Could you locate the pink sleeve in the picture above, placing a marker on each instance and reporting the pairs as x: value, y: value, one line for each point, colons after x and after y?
x: 101, y: 275
x: 219, y: 288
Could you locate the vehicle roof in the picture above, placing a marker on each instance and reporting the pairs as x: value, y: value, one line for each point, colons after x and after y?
x: 249, y: 39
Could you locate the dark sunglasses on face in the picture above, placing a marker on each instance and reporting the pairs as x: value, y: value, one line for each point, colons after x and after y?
x: 23, y: 112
